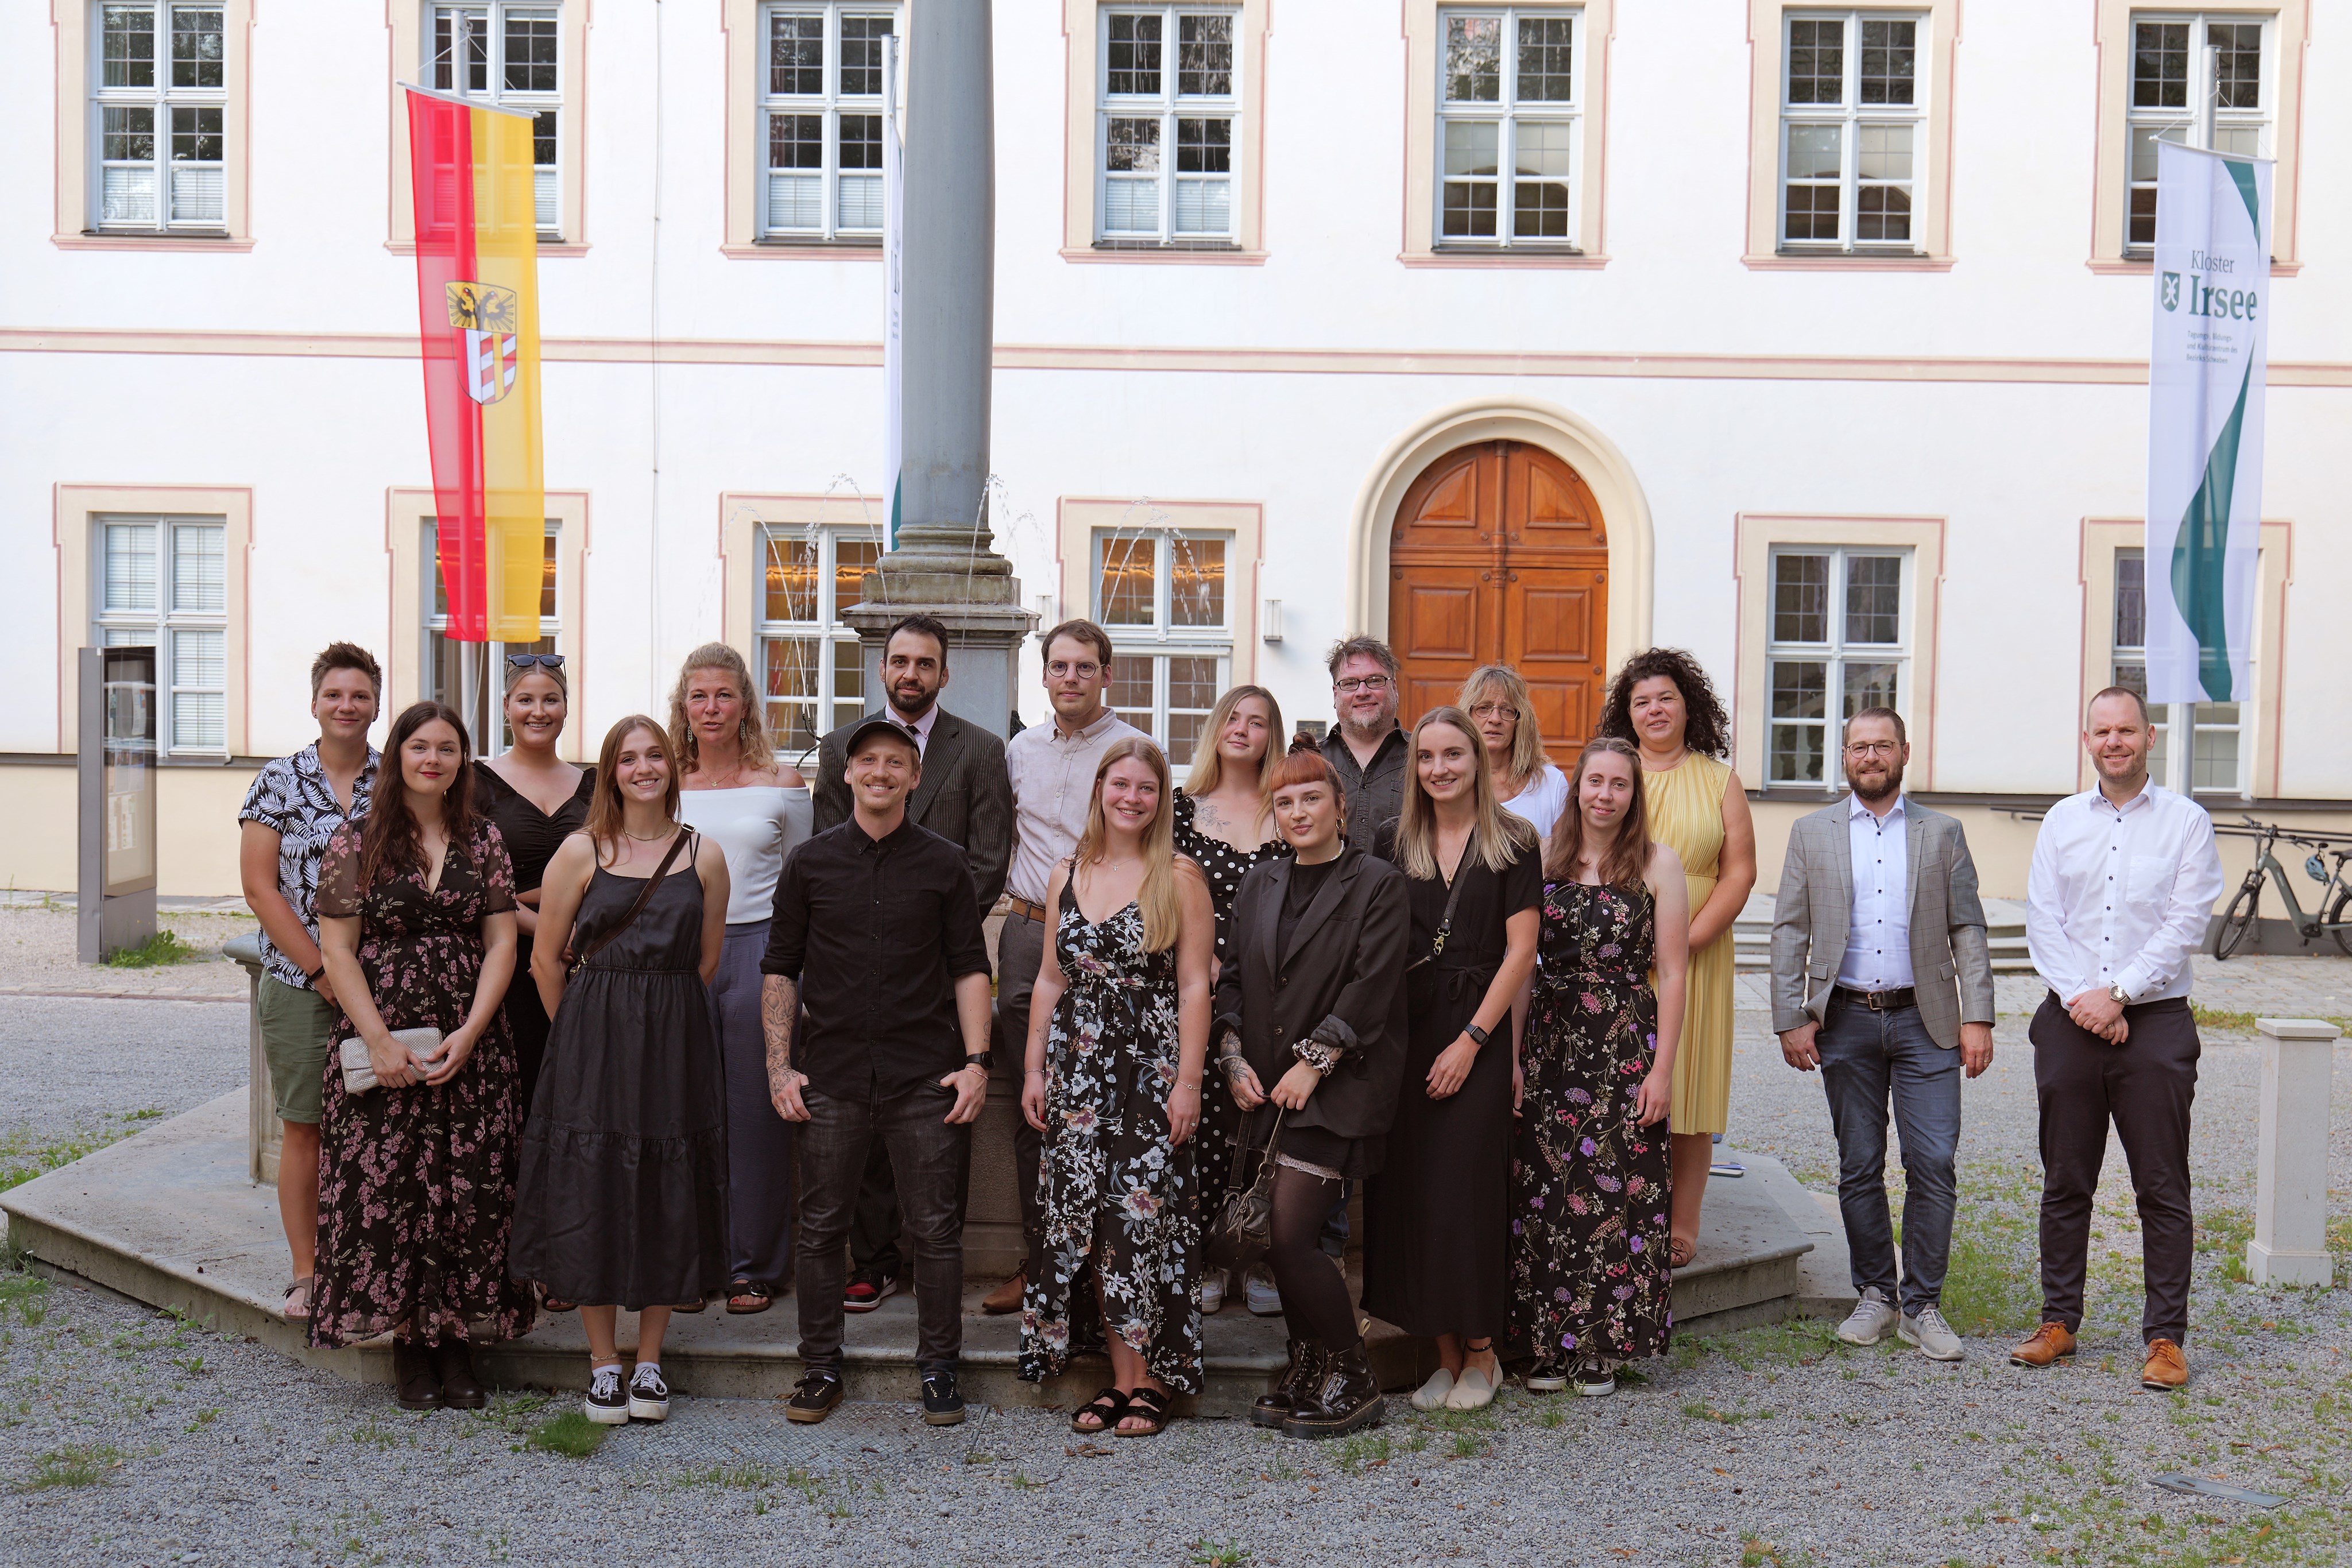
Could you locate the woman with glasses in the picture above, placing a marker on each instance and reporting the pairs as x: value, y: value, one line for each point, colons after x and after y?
x: 735, y: 793
x: 1527, y: 782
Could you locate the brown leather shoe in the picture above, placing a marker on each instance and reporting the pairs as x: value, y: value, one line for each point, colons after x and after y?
x: 1006, y: 1298
x: 2051, y: 1342
x: 2167, y: 1367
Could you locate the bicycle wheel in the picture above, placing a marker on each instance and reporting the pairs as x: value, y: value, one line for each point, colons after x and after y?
x: 2340, y: 910
x: 2238, y: 920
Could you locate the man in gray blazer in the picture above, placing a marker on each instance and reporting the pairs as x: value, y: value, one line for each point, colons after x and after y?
x: 964, y: 795
x: 1881, y: 978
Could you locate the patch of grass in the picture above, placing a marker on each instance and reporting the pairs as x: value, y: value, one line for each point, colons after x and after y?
x: 25, y: 1154
x: 1990, y: 1286
x: 1207, y: 1553
x: 376, y: 1434
x: 163, y: 948
x: 203, y: 1420
x: 74, y: 1465
x: 572, y: 1434
x: 1363, y: 1448
x: 1019, y: 1482
x: 1703, y: 1412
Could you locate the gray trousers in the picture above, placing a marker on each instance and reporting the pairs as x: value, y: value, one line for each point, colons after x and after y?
x: 759, y: 1142
x: 1868, y: 1058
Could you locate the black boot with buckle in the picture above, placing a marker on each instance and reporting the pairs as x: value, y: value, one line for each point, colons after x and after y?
x: 1298, y: 1381
x: 413, y: 1380
x: 1346, y: 1397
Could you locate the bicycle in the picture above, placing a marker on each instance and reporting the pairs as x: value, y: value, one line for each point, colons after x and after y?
x: 2335, y: 893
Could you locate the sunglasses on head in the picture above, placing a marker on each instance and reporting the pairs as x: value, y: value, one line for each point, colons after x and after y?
x: 525, y: 660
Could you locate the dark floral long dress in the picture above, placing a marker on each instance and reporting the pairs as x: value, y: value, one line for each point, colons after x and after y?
x: 416, y: 1185
x: 1590, y: 1185
x: 1121, y: 1206
x: 1222, y: 866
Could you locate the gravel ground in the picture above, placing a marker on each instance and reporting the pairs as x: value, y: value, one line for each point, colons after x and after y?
x: 129, y: 1437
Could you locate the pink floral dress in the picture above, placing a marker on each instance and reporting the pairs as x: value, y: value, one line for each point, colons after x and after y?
x: 416, y: 1185
x: 1589, y: 1274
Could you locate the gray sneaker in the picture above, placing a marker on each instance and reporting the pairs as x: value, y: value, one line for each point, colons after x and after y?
x: 1931, y: 1333
x: 1257, y: 1289
x: 1870, y: 1318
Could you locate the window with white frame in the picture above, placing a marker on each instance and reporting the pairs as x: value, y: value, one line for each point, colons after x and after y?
x: 509, y: 55
x: 810, y: 665
x: 1162, y: 594
x: 1840, y: 642
x: 1509, y: 125
x: 444, y: 673
x: 1169, y: 110
x: 159, y: 103
x: 2179, y: 61
x: 821, y: 111
x: 2129, y: 649
x: 2214, y: 728
x: 163, y: 582
x: 1853, y: 115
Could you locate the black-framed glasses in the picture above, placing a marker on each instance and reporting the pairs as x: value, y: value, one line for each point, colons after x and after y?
x: 525, y: 660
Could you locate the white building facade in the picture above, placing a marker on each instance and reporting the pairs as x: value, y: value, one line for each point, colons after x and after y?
x: 1812, y: 339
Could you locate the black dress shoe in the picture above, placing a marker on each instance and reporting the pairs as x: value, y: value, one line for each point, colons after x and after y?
x: 1299, y: 1378
x: 1347, y: 1397
x: 412, y: 1380
x: 452, y: 1364
x: 942, y: 1404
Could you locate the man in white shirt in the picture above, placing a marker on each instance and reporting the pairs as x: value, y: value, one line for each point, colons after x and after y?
x: 1882, y: 978
x: 1053, y: 769
x: 2123, y: 884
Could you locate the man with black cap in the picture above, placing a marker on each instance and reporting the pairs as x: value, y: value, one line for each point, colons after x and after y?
x: 877, y: 933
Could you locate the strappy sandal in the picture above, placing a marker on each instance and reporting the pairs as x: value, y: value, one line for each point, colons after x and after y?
x: 553, y: 1306
x: 1106, y: 1407
x: 1151, y: 1404
x: 1679, y: 1252
x: 744, y: 1291
x: 297, y: 1306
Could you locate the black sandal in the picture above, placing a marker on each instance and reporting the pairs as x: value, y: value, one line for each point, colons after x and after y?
x: 1107, y: 1407
x: 1151, y: 1404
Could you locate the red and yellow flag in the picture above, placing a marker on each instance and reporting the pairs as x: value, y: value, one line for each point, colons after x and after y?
x: 477, y: 317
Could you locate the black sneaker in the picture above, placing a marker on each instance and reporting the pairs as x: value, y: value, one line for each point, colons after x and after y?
x: 942, y: 1406
x: 607, y: 1404
x: 868, y: 1289
x: 648, y: 1395
x: 814, y: 1397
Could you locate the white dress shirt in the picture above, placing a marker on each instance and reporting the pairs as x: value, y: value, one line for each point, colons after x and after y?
x: 1053, y: 785
x: 2120, y: 895
x: 921, y: 728
x: 1878, y: 931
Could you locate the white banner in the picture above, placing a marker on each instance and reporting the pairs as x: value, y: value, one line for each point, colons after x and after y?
x: 894, y: 213
x: 2207, y: 367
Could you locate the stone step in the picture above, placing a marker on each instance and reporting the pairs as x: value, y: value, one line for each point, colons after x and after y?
x: 170, y: 1217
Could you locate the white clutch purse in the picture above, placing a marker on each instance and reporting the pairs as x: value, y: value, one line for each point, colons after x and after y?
x: 359, y: 1070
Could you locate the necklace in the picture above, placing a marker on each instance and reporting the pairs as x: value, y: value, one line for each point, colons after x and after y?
x: 648, y: 838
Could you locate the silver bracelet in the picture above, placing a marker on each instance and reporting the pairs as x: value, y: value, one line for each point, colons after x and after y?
x: 1317, y: 1055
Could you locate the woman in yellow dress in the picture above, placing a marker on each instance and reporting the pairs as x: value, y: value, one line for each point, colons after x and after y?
x: 1662, y: 701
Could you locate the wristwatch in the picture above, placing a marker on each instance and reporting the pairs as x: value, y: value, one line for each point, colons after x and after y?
x: 312, y: 975
x: 1476, y: 1033
x: 2121, y: 998
x: 979, y: 1060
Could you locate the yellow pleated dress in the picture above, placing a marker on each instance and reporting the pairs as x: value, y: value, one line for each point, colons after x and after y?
x: 1685, y: 810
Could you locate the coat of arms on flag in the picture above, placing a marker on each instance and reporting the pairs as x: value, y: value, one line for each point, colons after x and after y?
x: 488, y: 315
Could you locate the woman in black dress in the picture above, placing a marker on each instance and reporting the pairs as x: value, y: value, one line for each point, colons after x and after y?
x: 1592, y: 1175
x: 1436, y: 1219
x: 622, y: 1197
x: 535, y: 797
x: 1224, y: 826
x: 1310, y: 1022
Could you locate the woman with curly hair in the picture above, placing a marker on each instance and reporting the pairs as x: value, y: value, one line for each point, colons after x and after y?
x: 1664, y: 704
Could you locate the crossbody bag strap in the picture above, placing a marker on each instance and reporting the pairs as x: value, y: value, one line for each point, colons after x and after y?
x: 1452, y: 898
x: 644, y: 895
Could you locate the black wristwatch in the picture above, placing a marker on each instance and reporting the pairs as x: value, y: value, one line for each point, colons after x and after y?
x: 312, y: 975
x: 1476, y: 1033
x: 980, y: 1060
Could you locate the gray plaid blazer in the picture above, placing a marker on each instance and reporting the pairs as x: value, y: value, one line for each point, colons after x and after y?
x: 1951, y: 968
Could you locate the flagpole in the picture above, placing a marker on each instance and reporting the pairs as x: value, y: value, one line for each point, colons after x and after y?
x: 894, y: 174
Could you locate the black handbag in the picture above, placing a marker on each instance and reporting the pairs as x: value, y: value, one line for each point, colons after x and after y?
x: 1244, y: 1232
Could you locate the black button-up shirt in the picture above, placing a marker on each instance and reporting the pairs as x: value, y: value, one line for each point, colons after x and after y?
x: 877, y: 932
x: 1375, y: 794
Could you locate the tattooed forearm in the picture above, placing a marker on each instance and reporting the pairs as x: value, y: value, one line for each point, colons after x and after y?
x: 780, y: 1005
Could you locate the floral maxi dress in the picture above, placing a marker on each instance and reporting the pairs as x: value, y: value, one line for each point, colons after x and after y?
x: 1121, y: 1206
x: 1590, y: 1185
x: 416, y: 1185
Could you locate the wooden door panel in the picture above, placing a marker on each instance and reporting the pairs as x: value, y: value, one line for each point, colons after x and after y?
x: 1549, y: 503
x: 1550, y: 619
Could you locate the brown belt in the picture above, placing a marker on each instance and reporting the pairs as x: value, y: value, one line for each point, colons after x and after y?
x: 1019, y: 908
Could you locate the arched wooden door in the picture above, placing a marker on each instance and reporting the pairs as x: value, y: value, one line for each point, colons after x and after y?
x: 1499, y: 557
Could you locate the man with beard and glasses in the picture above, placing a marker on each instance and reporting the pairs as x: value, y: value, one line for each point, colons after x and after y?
x: 1367, y: 750
x: 965, y: 796
x: 1882, y: 978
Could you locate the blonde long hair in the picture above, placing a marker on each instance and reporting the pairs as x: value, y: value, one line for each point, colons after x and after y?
x: 605, y: 806
x: 1501, y: 837
x: 1628, y: 859
x: 1162, y: 911
x: 1527, y: 738
x: 1209, y: 765
x: 752, y: 731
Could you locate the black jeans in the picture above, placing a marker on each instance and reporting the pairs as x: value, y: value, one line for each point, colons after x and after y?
x: 929, y: 1159
x: 1020, y: 951
x: 1867, y: 1059
x: 2146, y: 1085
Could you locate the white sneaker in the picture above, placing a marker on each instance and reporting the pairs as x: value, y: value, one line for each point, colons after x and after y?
x: 1596, y: 1379
x: 648, y: 1395
x: 1213, y: 1292
x: 1257, y: 1289
x: 1931, y: 1333
x: 1430, y: 1395
x: 1869, y: 1321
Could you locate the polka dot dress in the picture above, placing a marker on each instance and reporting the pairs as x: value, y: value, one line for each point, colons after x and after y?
x: 1223, y: 866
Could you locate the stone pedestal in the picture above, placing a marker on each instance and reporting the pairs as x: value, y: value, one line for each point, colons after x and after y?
x: 984, y: 643
x: 265, y: 1134
x: 2290, y: 1244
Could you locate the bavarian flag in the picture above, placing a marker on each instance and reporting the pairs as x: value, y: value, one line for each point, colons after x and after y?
x: 478, y: 318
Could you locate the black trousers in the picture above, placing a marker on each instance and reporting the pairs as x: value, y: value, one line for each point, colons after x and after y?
x: 2145, y: 1086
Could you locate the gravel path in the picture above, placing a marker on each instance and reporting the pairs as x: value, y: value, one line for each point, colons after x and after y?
x: 130, y: 1438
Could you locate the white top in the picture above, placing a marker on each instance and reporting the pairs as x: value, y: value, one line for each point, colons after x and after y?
x: 1542, y: 800
x: 920, y: 728
x: 1878, y: 930
x: 1053, y: 785
x: 756, y: 827
x: 2120, y: 896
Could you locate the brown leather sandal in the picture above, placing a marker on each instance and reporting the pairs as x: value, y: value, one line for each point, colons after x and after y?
x: 1679, y: 1252
x: 1105, y: 1409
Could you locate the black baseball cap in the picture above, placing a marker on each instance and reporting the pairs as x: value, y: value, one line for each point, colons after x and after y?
x: 878, y: 725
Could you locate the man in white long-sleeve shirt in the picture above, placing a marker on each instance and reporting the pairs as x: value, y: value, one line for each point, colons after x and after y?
x: 2123, y: 883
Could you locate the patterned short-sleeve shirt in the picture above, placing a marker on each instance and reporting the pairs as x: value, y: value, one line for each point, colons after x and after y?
x: 292, y: 796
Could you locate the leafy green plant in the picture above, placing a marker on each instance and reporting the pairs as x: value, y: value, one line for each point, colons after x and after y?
x: 74, y: 1465
x: 1207, y: 1553
x: 162, y: 948
x: 1366, y: 1449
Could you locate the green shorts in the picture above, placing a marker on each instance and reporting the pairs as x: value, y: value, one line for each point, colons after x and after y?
x: 294, y: 1025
